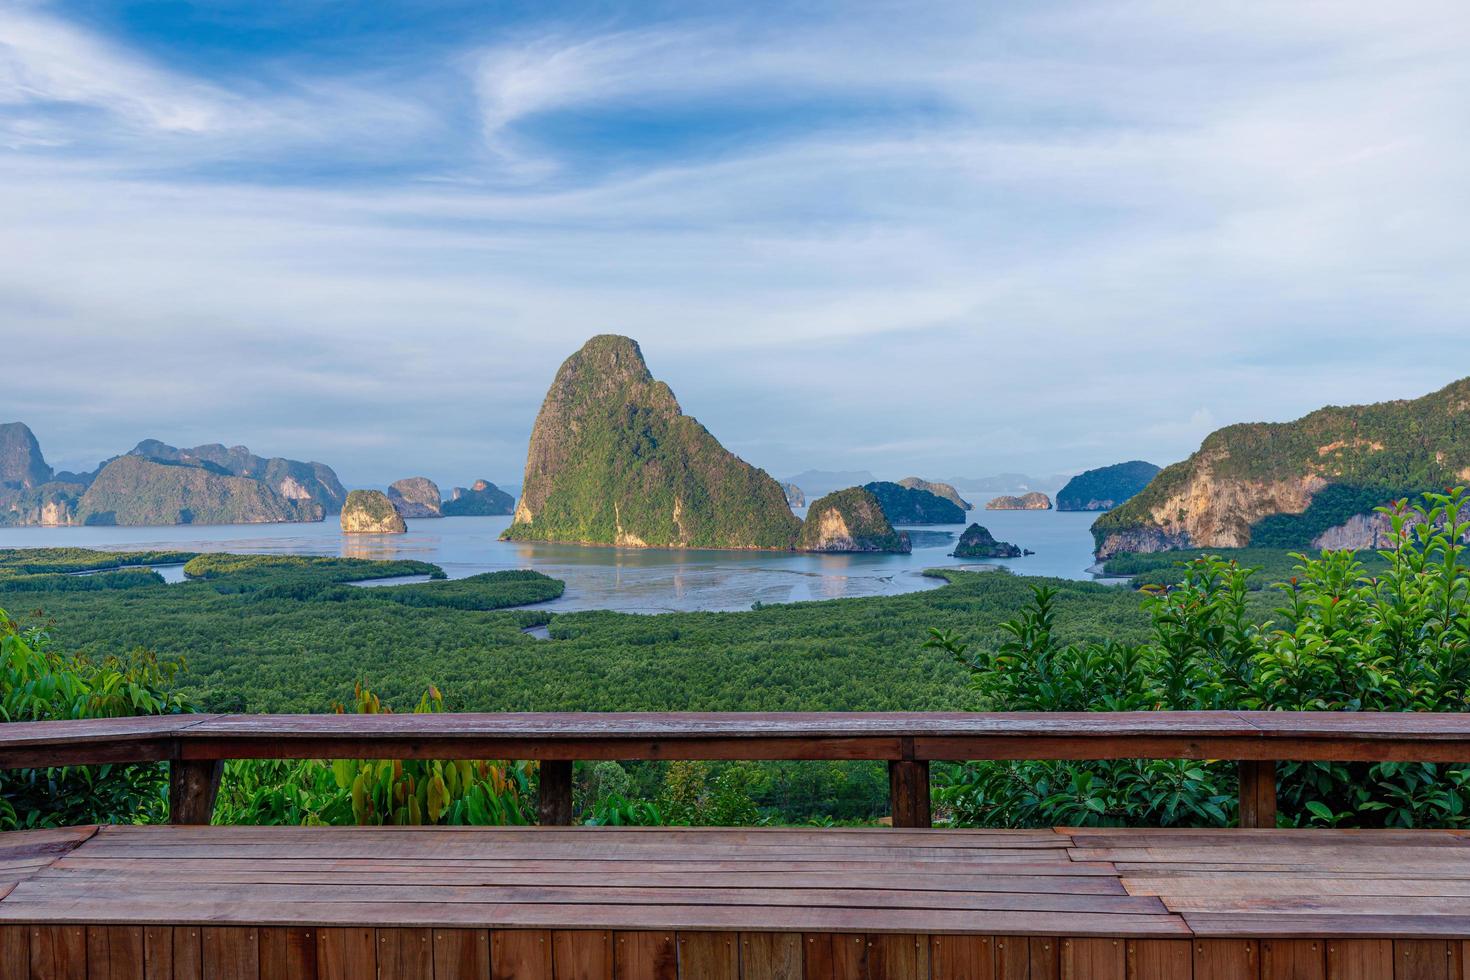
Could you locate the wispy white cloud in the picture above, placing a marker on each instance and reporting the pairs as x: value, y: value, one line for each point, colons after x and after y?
x: 1122, y: 211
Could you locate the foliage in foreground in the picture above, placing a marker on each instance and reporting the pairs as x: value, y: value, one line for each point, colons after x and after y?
x: 40, y: 683
x: 1342, y: 640
x: 398, y: 792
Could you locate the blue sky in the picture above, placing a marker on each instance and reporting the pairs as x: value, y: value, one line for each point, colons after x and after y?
x: 945, y: 239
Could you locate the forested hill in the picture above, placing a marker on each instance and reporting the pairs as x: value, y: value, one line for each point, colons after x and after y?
x: 1312, y: 483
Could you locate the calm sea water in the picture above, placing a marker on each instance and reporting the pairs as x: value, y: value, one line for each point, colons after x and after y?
x: 628, y: 580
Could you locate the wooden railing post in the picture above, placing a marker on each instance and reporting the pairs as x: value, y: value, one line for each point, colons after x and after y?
x: 1258, y: 793
x: 908, y: 789
x: 554, y: 802
x: 193, y: 785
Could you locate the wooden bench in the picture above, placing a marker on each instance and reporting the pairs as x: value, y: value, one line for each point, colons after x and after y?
x: 562, y: 903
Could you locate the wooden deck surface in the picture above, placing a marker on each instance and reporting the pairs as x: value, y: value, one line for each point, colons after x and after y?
x: 568, y: 903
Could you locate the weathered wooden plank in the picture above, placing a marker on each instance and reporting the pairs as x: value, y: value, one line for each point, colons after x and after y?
x: 288, y: 952
x: 1359, y: 959
x: 58, y: 953
x: 461, y: 954
x: 1046, y: 959
x: 961, y: 958
x: 1012, y: 958
x: 896, y: 956
x: 833, y: 956
x: 908, y: 792
x: 646, y: 955
x: 188, y: 953
x: 582, y: 954
x: 1422, y: 959
x: 15, y: 951
x: 1293, y: 959
x: 405, y: 954
x: 231, y: 952
x: 1226, y: 959
x: 158, y: 953
x: 1257, y: 793
x: 1094, y: 959
x: 1159, y: 959
x: 343, y: 954
x: 771, y: 955
x: 193, y: 786
x: 520, y: 954
x: 715, y: 956
x: 114, y: 953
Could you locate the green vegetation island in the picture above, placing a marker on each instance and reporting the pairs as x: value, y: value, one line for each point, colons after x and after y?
x: 1106, y: 487
x: 371, y: 512
x: 1308, y: 484
x: 978, y: 542
x: 850, y: 520
x: 905, y: 505
x: 945, y: 490
x: 613, y: 460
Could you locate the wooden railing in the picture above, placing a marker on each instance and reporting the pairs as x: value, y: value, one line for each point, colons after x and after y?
x: 195, y: 746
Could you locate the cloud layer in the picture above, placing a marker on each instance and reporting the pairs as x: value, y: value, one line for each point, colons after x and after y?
x: 1000, y: 237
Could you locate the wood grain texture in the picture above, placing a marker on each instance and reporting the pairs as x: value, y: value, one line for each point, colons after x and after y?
x: 58, y: 953
x: 1423, y: 960
x: 715, y: 956
x: 1293, y: 959
x: 1094, y: 959
x: 1012, y: 958
x: 115, y: 953
x: 231, y: 952
x: 405, y: 954
x: 961, y: 958
x: 345, y: 953
x: 461, y: 954
x: 520, y: 954
x: 646, y: 956
x: 771, y: 955
x: 288, y: 952
x: 1159, y: 959
x: 15, y: 951
x: 582, y: 954
x: 188, y: 953
x: 1359, y: 959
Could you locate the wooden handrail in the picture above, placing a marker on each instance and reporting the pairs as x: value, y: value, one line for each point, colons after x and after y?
x: 196, y: 745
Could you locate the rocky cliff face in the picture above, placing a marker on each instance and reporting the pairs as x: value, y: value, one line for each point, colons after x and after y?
x: 370, y: 512
x: 613, y: 460
x: 132, y: 490
x: 850, y: 520
x: 978, y: 542
x: 416, y: 496
x: 1035, y: 500
x: 1106, y: 487
x: 22, y: 467
x: 1309, y: 483
x: 794, y: 495
x: 944, y: 490
x: 291, y: 478
x: 902, y: 505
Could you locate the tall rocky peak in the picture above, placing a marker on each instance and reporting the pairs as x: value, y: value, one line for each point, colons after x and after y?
x: 613, y: 460
x: 21, y: 464
x: 1306, y: 484
x: 481, y: 499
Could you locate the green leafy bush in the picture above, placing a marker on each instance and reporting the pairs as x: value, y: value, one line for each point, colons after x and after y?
x: 1342, y: 640
x: 400, y: 792
x: 39, y: 683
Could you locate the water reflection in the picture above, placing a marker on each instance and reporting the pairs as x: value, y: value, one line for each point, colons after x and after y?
x: 632, y: 580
